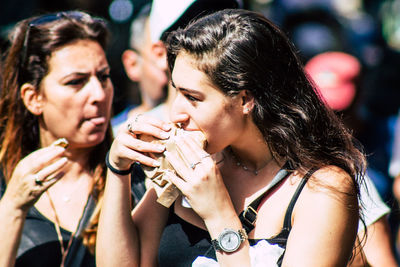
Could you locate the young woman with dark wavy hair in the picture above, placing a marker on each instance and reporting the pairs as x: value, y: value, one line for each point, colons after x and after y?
x: 278, y: 182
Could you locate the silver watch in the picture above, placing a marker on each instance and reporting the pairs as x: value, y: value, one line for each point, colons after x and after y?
x: 229, y: 240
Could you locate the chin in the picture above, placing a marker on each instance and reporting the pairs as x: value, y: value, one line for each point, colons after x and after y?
x: 210, y: 149
x: 95, y: 139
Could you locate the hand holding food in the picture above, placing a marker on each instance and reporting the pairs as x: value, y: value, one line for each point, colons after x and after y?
x: 166, y: 191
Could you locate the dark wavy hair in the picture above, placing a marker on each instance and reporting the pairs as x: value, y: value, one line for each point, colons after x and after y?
x: 26, y: 61
x: 242, y: 50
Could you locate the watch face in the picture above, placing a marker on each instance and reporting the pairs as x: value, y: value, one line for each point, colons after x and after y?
x: 229, y: 241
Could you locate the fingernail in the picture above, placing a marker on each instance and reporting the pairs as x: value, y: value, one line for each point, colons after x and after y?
x: 62, y: 142
x: 160, y: 148
x: 166, y: 127
x: 164, y: 135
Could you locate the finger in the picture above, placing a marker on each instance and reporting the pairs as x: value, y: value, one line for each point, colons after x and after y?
x: 195, y: 147
x: 148, y: 125
x: 49, y: 172
x: 177, y: 181
x: 50, y: 181
x: 180, y: 167
x: 143, y: 146
x: 191, y: 150
x: 40, y: 158
x: 139, y: 157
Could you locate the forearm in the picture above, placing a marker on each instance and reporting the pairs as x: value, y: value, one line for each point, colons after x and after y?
x: 117, y: 240
x: 12, y: 222
x: 229, y: 220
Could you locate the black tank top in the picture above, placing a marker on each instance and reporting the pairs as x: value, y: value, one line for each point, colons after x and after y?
x: 181, y: 242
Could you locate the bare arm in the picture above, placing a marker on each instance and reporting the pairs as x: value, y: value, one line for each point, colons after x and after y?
x: 324, y: 222
x: 117, y: 239
x: 121, y: 236
x: 377, y: 249
x: 12, y: 221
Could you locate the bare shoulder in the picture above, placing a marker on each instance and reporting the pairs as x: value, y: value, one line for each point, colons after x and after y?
x: 330, y: 190
x: 324, y: 220
x: 331, y: 179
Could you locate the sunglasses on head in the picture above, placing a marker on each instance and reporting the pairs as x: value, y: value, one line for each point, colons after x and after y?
x: 48, y: 18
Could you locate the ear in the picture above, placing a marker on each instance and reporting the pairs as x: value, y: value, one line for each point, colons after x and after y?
x: 131, y: 62
x: 247, y: 101
x: 159, y: 55
x: 32, y: 99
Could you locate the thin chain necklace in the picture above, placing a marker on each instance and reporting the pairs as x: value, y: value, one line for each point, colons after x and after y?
x: 68, y: 197
x: 64, y: 251
x: 244, y: 167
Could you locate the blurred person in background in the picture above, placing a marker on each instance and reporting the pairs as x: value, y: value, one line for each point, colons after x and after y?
x: 140, y: 67
x: 56, y: 90
x: 336, y: 76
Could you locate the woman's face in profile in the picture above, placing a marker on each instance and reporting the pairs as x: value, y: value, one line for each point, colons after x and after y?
x: 77, y: 95
x: 200, y: 105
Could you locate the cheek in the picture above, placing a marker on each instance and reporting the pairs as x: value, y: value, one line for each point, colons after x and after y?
x: 110, y: 96
x: 62, y: 108
x: 220, y: 129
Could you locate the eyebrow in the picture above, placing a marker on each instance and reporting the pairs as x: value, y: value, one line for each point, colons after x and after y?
x: 184, y: 89
x: 106, y: 68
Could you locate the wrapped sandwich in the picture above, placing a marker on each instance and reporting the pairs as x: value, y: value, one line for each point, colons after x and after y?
x: 166, y: 191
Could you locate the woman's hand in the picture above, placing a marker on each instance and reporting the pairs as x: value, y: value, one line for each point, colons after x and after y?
x: 33, y: 175
x: 200, y: 180
x: 127, y: 148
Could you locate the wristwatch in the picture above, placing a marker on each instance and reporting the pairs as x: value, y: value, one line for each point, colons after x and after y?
x: 229, y: 240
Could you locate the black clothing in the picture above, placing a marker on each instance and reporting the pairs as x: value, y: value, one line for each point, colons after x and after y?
x: 181, y: 242
x: 39, y: 244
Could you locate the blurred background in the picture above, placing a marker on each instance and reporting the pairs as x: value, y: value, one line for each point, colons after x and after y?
x: 368, y: 30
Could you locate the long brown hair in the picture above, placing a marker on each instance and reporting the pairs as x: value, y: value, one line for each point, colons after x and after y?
x: 31, y: 43
x: 242, y: 50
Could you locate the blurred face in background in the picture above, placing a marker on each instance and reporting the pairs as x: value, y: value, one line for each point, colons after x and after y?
x: 154, y: 78
x: 76, y: 95
x: 141, y: 65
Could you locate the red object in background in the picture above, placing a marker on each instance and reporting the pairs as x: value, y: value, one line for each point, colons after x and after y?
x: 334, y: 74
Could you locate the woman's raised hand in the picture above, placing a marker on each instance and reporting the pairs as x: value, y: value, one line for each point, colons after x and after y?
x: 127, y: 148
x: 33, y: 175
x: 200, y: 180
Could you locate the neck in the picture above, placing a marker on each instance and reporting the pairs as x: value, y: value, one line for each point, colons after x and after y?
x: 251, y: 151
x: 148, y: 102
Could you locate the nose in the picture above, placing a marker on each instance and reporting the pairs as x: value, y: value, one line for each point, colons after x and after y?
x: 97, y: 90
x: 178, y: 113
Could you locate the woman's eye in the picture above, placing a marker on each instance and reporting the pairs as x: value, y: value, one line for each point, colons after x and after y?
x: 76, y: 82
x: 191, y: 98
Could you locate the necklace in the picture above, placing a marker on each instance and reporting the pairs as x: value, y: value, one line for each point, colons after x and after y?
x: 67, y: 197
x: 64, y: 251
x: 244, y: 167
